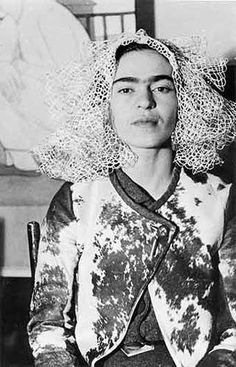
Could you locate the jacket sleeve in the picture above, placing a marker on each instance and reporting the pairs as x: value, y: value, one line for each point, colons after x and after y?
x: 224, y: 352
x: 51, y: 327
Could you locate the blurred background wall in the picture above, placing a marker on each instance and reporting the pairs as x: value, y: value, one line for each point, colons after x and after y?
x: 215, y: 20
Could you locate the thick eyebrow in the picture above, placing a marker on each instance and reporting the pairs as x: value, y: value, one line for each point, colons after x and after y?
x: 154, y: 78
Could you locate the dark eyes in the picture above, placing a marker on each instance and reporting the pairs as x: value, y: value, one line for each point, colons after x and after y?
x: 155, y: 90
x: 125, y: 90
x: 162, y: 89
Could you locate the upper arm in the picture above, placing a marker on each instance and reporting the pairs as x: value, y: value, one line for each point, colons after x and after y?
x: 52, y: 320
x: 227, y: 254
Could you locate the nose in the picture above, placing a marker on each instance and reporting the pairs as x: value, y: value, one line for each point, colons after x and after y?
x: 145, y: 100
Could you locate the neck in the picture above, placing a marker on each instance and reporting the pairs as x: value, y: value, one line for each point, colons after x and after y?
x: 153, y: 170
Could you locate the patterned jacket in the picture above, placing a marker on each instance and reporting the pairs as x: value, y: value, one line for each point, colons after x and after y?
x: 100, y: 251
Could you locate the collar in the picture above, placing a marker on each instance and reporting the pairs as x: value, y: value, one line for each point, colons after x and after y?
x: 136, y: 196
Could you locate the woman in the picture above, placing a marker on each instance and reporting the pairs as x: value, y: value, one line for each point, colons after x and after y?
x: 136, y: 263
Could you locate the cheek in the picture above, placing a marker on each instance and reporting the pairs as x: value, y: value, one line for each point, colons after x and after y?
x: 118, y: 113
x: 173, y: 117
x: 114, y: 110
x: 115, y: 116
x: 173, y: 110
x: 172, y: 122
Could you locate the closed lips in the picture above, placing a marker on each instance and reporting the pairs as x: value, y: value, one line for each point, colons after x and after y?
x: 144, y: 121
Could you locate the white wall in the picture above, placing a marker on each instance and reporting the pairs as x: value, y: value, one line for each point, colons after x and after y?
x: 214, y: 19
x: 99, y: 6
x: 113, y: 6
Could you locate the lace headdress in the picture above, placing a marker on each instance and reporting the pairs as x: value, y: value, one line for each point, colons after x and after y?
x: 86, y: 147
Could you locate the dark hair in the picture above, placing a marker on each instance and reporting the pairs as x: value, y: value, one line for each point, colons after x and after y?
x: 133, y: 46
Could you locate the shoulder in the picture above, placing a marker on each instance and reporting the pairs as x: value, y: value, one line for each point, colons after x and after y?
x: 207, y: 185
x: 72, y: 195
x: 90, y: 190
x: 61, y: 204
x: 207, y: 179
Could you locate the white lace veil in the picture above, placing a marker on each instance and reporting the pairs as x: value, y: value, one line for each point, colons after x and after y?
x: 86, y: 147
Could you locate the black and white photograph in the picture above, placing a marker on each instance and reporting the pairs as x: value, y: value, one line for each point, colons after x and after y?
x: 117, y: 183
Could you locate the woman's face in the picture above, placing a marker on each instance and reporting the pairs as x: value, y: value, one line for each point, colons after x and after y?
x: 143, y: 102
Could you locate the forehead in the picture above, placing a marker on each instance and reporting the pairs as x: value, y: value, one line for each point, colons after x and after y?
x: 143, y: 64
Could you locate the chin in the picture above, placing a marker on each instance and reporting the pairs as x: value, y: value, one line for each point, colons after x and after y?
x: 152, y: 145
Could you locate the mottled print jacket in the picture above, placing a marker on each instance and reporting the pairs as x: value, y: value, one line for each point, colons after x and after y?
x: 100, y: 251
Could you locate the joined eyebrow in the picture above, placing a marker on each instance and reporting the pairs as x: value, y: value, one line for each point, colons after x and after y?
x: 154, y: 78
